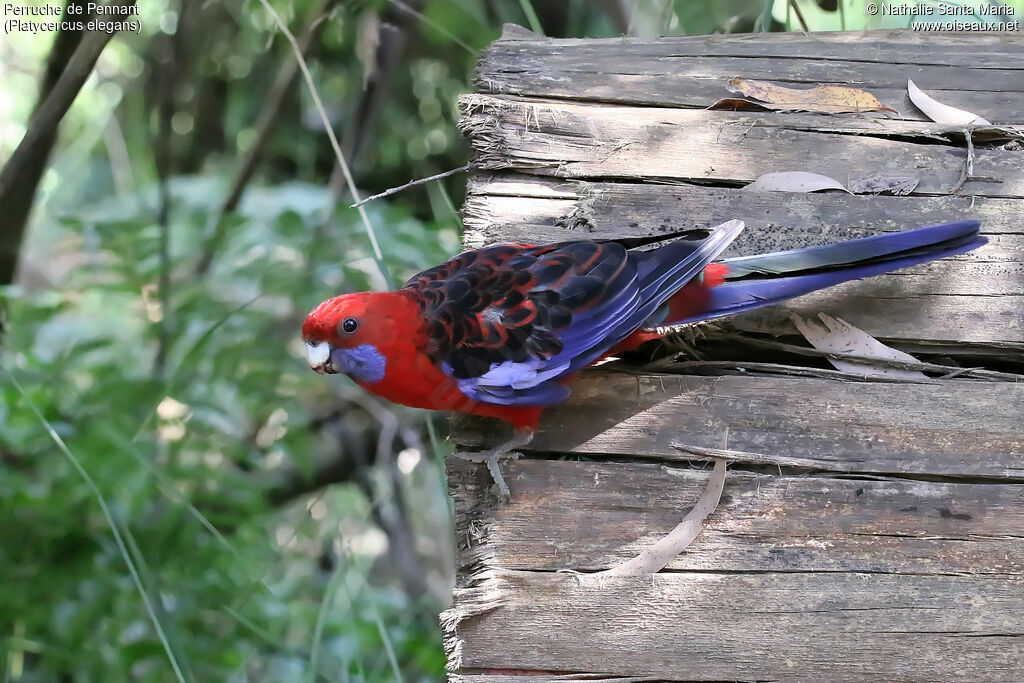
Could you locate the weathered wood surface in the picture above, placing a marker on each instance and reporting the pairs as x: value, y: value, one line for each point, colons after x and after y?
x: 580, y: 140
x: 558, y: 164
x: 765, y: 626
x: 766, y: 522
x: 972, y: 72
x: 868, y: 530
x: 950, y: 428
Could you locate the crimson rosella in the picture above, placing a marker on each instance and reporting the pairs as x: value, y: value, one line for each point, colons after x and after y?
x: 500, y: 331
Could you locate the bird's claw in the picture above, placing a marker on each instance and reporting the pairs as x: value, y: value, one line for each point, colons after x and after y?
x: 492, y: 459
x: 520, y: 437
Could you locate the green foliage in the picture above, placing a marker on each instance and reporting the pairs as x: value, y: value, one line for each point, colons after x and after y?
x: 231, y: 412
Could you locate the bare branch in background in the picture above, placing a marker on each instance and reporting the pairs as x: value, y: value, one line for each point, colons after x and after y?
x: 413, y: 183
x: 378, y: 256
x: 406, y: 7
x: 71, y: 60
x: 170, y: 54
x: 391, y: 46
x: 270, y: 114
x: 359, y: 454
x: 357, y: 449
x: 391, y: 513
x: 799, y: 15
x: 378, y: 68
x: 287, y: 486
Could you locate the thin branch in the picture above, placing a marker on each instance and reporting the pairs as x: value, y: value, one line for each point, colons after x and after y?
x: 349, y: 181
x: 266, y: 122
x: 397, y: 526
x: 412, y: 183
x: 432, y: 24
x: 169, y: 48
x: 394, y: 33
x: 799, y: 15
x: 358, y: 450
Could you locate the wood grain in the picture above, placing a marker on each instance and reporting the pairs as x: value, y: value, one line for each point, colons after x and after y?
x: 950, y: 428
x: 868, y: 530
x: 588, y: 516
x: 980, y: 74
x: 765, y: 626
x: 503, y: 205
x: 580, y: 140
x: 977, y: 297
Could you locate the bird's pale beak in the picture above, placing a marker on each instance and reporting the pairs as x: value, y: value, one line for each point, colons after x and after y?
x: 319, y: 354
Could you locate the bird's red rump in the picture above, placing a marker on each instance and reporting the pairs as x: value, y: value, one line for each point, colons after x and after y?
x: 714, y: 274
x: 692, y: 299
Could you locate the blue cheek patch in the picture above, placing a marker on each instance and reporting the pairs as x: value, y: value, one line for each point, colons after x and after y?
x: 363, y: 363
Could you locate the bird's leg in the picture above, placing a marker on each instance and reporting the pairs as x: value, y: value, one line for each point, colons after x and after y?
x: 520, y: 437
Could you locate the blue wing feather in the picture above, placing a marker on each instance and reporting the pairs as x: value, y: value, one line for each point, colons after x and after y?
x: 653, y: 277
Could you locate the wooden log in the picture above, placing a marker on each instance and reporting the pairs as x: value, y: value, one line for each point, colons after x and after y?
x: 868, y: 530
x: 951, y: 428
x: 977, y: 297
x: 500, y: 206
x: 983, y: 74
x: 589, y: 516
x: 873, y: 569
x: 738, y: 626
x: 581, y: 140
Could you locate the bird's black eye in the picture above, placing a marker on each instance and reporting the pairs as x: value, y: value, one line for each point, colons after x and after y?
x: 349, y: 325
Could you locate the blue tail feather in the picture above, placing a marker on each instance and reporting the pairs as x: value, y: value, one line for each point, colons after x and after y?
x: 763, y: 280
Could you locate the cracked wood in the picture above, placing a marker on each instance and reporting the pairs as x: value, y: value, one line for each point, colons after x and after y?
x: 977, y: 297
x: 580, y: 140
x: 972, y: 72
x: 761, y: 626
x: 589, y: 516
x: 953, y: 428
x: 867, y: 530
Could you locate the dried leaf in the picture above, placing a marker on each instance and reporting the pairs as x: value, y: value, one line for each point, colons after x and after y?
x: 942, y: 113
x: 795, y: 181
x: 839, y: 336
x: 738, y: 104
x: 824, y: 99
x: 656, y: 557
x: 898, y: 185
